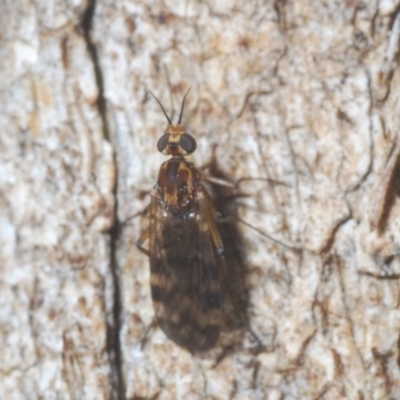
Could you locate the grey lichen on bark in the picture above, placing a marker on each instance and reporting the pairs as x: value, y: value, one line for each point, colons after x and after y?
x: 303, y: 96
x: 57, y: 180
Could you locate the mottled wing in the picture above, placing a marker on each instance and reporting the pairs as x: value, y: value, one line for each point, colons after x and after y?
x: 184, y: 273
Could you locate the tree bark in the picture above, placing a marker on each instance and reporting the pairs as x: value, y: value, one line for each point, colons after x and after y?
x: 296, y: 101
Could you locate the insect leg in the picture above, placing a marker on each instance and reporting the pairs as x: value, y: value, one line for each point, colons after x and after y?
x: 143, y: 237
x: 140, y: 213
x: 218, y: 181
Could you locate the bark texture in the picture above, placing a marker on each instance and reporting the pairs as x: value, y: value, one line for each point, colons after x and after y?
x: 298, y: 100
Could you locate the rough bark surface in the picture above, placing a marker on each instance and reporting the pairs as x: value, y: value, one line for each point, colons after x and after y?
x: 303, y: 96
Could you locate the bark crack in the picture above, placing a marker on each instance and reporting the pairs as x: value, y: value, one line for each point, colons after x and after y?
x: 117, y: 387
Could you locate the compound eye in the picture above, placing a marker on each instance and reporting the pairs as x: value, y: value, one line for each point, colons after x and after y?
x: 163, y: 142
x: 187, y: 143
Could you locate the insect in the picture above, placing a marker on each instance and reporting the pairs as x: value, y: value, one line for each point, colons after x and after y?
x: 185, y: 247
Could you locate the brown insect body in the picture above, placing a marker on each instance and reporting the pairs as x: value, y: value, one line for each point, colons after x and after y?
x: 185, y: 247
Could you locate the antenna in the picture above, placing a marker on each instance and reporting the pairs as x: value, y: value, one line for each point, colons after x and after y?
x: 183, y: 103
x: 162, y: 108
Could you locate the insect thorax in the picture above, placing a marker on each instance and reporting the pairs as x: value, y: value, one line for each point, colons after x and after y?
x: 177, y: 181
